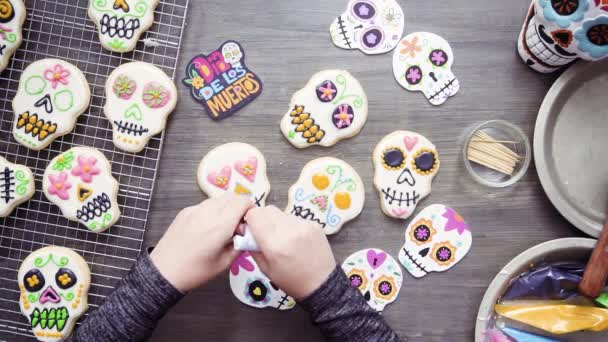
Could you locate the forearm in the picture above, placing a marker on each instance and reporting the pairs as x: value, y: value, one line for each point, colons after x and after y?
x: 131, y: 312
x: 342, y: 313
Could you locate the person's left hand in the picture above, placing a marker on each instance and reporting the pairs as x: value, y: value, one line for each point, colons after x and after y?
x: 198, y: 244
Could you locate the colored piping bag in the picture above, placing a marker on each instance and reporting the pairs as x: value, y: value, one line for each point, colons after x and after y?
x: 558, y: 281
x: 523, y: 336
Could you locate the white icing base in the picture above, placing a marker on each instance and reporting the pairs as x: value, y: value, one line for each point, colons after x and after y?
x: 19, y: 187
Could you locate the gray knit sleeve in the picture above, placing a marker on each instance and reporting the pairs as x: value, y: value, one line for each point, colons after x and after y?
x: 342, y: 313
x: 131, y: 312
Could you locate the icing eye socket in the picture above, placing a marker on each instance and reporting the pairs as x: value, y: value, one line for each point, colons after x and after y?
x: 33, y: 280
x: 343, y: 116
x: 124, y: 87
x: 372, y: 37
x: 425, y: 161
x: 342, y: 200
x: 155, y: 95
x: 423, y: 232
x: 598, y: 34
x: 64, y: 100
x: 357, y: 279
x: 35, y: 85
x: 565, y: 7
x: 65, y: 278
x: 7, y: 12
x: 384, y: 287
x: 443, y: 253
x: 438, y: 57
x: 257, y: 291
x: 320, y: 181
x: 393, y: 158
x: 326, y: 91
x: 413, y: 75
x: 364, y: 10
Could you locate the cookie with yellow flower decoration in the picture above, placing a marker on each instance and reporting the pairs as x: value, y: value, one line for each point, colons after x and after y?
x: 235, y: 167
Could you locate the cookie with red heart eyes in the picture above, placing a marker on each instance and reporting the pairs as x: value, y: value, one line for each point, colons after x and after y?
x: 235, y: 167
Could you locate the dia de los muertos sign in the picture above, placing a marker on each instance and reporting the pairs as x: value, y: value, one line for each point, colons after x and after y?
x: 221, y: 81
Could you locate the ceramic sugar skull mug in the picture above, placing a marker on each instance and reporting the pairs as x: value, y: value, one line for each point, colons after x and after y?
x: 557, y: 32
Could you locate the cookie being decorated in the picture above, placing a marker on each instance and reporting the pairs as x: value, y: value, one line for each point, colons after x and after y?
x: 328, y: 192
x: 235, y: 167
x: 12, y: 17
x: 81, y: 184
x: 140, y: 98
x: 376, y: 275
x: 16, y: 186
x: 120, y: 23
x: 51, y: 96
x: 54, y: 285
x: 405, y: 164
x: 331, y: 107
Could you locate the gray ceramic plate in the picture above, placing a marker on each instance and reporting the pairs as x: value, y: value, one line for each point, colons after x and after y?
x: 571, y: 145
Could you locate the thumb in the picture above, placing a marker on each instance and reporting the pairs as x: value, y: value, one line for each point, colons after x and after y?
x: 262, y: 262
x: 262, y: 226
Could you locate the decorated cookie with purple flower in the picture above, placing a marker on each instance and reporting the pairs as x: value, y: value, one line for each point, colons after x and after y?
x: 435, y: 241
x: 140, y: 98
x: 331, y: 107
x: 81, y: 184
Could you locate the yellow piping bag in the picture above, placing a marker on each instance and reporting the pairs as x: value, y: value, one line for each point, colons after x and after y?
x: 556, y: 318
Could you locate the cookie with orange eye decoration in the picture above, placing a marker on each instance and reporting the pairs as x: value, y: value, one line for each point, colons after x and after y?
x: 329, y: 192
x: 436, y: 240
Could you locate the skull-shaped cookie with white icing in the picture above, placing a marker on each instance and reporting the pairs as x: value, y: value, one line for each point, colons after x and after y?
x: 81, y: 184
x: 328, y: 192
x: 252, y: 287
x: 435, y: 241
x: 51, y: 96
x: 235, y: 167
x: 405, y: 164
x: 372, y: 26
x: 376, y: 275
x: 139, y: 99
x: 331, y: 107
x: 16, y: 186
x: 120, y: 23
x: 423, y: 62
x: 54, y: 285
x: 12, y: 17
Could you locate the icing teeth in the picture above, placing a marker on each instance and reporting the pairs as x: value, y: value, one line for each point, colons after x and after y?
x: 49, y: 318
x: 121, y: 28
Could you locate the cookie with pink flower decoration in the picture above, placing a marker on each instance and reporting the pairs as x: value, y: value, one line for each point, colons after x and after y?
x: 52, y: 95
x: 81, y: 184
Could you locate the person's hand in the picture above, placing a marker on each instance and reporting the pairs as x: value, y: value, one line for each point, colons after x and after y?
x: 295, y: 253
x: 198, y: 244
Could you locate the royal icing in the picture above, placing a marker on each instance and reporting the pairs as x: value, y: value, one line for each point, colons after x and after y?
x: 252, y: 287
x: 331, y: 107
x: 405, y: 164
x: 423, y: 62
x: 435, y: 240
x: 52, y: 94
x: 12, y: 17
x: 16, y: 186
x: 120, y: 23
x: 372, y: 26
x: 235, y: 167
x: 328, y: 192
x: 81, y: 184
x: 221, y: 81
x: 140, y: 98
x: 53, y: 289
x: 376, y: 275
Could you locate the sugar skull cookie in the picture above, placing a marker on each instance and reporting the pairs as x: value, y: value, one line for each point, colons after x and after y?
x: 405, y: 164
x: 12, y: 17
x: 54, y: 285
x: 120, y: 23
x: 372, y: 26
x: 331, y: 107
x: 140, y: 98
x: 376, y: 275
x: 81, y: 184
x: 423, y: 62
x: 435, y: 240
x: 329, y: 192
x: 252, y: 287
x: 235, y: 167
x: 52, y: 94
x: 16, y: 186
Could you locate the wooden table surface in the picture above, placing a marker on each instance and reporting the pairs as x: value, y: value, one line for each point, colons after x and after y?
x: 286, y: 42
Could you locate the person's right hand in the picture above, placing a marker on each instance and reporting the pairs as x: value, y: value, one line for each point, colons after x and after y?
x: 295, y: 253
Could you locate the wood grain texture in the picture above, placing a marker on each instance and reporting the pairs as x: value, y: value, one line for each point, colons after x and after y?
x: 286, y: 42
